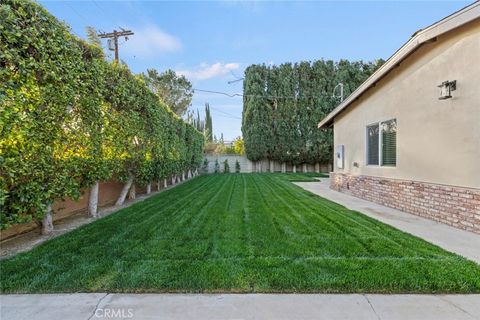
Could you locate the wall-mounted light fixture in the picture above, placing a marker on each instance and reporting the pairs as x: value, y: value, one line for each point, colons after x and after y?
x: 446, y: 89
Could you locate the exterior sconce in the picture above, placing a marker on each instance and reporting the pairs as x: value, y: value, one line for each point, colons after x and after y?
x: 446, y: 89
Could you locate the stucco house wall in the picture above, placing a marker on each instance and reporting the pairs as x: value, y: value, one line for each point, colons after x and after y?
x: 438, y: 141
x: 437, y: 172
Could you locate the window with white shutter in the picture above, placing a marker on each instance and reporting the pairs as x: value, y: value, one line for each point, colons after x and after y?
x: 389, y: 143
x: 382, y: 143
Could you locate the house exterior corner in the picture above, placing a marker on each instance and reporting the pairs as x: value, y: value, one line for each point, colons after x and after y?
x: 399, y: 145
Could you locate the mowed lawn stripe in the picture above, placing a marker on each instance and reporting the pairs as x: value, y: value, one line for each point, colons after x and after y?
x: 410, y: 245
x: 238, y: 233
x: 329, y: 213
x: 319, y: 245
x: 352, y: 229
x: 309, y: 222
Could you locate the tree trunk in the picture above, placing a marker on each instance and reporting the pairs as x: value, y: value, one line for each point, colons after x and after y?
x: 272, y: 166
x: 173, y: 180
x: 294, y: 170
x: 183, y: 175
x: 158, y: 185
x: 165, y: 183
x: 317, y: 167
x: 189, y: 175
x: 284, y: 167
x: 133, y: 192
x: 47, y: 221
x: 124, y: 192
x: 149, y: 188
x: 93, y: 201
x: 305, y: 167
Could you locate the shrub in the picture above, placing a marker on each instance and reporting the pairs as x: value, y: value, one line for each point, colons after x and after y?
x: 237, y: 166
x: 205, y: 165
x: 226, y: 166
x: 217, y: 166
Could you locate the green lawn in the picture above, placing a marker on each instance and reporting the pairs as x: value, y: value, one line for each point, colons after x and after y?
x: 238, y: 233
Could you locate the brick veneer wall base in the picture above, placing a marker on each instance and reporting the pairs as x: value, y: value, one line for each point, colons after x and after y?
x: 455, y: 206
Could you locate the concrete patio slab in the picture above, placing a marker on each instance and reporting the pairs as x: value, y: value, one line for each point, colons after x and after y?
x: 239, y: 306
x: 464, y: 243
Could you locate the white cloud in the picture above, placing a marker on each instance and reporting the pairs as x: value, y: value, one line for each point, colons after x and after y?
x: 151, y: 40
x: 208, y: 71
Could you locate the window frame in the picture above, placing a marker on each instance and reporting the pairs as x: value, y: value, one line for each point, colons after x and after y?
x: 380, y: 144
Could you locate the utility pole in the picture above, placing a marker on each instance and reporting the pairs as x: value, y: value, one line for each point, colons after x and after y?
x: 113, y: 37
x: 341, y: 91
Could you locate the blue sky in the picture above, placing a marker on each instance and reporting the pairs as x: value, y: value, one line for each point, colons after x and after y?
x: 213, y: 42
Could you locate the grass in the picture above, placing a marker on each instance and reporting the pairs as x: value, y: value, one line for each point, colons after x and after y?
x: 238, y: 233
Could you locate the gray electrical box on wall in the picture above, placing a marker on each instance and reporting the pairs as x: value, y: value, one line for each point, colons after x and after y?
x: 339, y: 155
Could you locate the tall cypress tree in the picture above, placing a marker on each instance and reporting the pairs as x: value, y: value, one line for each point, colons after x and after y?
x: 208, y: 123
x: 283, y: 104
x: 257, y: 115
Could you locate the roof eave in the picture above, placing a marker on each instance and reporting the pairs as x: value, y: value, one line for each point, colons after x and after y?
x: 455, y: 20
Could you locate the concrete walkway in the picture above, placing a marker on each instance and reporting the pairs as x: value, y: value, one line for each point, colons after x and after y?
x: 464, y: 243
x: 239, y: 306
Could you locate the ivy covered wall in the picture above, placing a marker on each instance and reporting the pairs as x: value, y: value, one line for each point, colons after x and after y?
x: 69, y: 118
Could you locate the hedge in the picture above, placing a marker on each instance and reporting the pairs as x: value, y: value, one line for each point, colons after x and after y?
x: 69, y: 118
x: 283, y: 104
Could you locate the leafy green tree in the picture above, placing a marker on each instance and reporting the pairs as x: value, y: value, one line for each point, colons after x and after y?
x: 220, y: 148
x: 239, y: 146
x: 175, y: 90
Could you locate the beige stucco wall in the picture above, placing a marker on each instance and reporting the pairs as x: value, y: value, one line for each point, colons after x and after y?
x: 438, y: 141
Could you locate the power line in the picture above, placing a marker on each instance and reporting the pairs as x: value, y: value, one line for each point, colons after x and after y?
x: 226, y: 113
x: 237, y: 79
x: 76, y: 12
x: 79, y: 15
x: 98, y: 6
x: 233, y: 95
